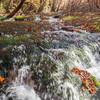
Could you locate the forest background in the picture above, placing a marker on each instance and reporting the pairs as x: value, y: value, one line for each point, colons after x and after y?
x: 77, y: 8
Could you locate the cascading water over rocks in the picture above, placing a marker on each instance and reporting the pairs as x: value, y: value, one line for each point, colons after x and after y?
x: 40, y: 71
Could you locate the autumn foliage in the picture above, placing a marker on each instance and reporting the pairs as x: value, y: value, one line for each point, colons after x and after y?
x: 87, y: 80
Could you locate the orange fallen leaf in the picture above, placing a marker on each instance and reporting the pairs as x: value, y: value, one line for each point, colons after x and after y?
x: 31, y: 40
x: 14, y: 32
x: 1, y: 80
x: 77, y: 31
x: 68, y: 69
x: 45, y: 86
x: 93, y: 90
x: 17, y: 38
x: 57, y: 40
x: 84, y: 78
x: 75, y: 68
x: 59, y: 55
x: 87, y: 27
x: 3, y: 50
x: 84, y: 82
x: 30, y: 29
x: 90, y: 83
x: 77, y: 72
x: 56, y: 51
x: 72, y: 70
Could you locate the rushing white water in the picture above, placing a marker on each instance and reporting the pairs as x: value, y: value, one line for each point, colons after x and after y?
x: 18, y: 90
x: 95, y: 70
x: 80, y: 55
x: 72, y: 91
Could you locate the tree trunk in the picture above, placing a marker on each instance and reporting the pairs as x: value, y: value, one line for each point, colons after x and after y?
x: 53, y: 8
x: 89, y: 5
x: 8, y: 5
x: 42, y: 5
x: 15, y: 11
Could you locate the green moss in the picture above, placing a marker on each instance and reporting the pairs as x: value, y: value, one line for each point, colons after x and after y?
x: 97, y: 84
x: 92, y: 14
x: 19, y: 18
x: 66, y: 18
x: 83, y: 17
x: 8, y: 41
x: 87, y: 17
x: 44, y: 44
x: 1, y: 17
x: 96, y: 17
x: 97, y: 27
x: 94, y: 78
x: 15, y: 40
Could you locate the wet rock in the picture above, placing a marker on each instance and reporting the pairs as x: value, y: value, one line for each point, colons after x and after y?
x: 29, y: 80
x: 11, y: 75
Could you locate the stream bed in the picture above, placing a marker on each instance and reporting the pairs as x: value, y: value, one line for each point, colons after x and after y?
x: 40, y: 71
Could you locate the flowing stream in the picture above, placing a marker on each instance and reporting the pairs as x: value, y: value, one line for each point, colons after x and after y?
x: 41, y: 72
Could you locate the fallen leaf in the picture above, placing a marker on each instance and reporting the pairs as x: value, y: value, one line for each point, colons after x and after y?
x: 1, y: 80
x: 3, y: 50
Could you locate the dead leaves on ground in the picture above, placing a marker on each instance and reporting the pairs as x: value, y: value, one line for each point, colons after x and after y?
x: 87, y: 82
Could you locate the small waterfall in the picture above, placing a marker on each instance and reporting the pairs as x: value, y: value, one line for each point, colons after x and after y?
x: 41, y: 70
